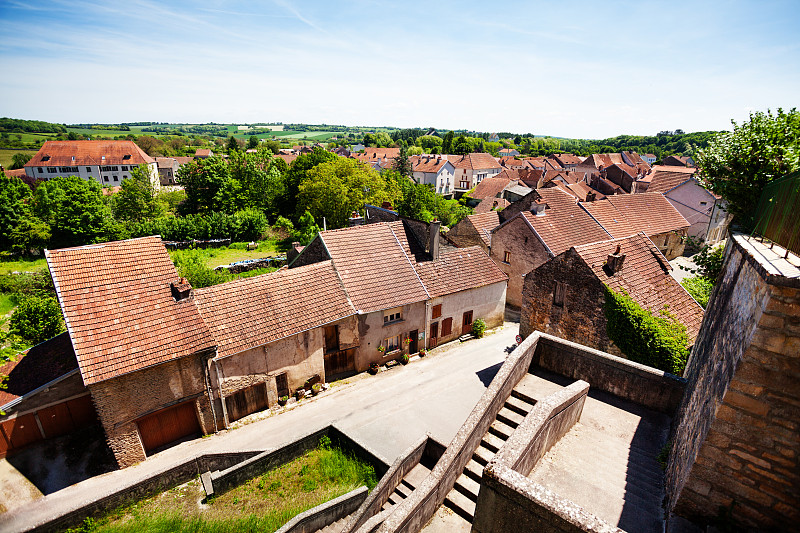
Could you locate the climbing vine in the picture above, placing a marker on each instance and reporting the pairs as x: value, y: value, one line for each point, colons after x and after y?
x: 656, y: 340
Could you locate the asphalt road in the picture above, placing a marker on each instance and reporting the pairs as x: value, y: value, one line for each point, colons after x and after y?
x: 387, y: 413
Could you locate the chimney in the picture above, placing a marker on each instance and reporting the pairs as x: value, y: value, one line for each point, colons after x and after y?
x: 181, y: 289
x: 355, y: 220
x: 615, y: 261
x: 295, y: 244
x: 590, y: 196
x: 538, y: 208
x: 433, y: 239
x: 387, y: 205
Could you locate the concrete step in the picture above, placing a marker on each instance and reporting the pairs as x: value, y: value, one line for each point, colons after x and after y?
x: 336, y: 527
x: 474, y: 470
x: 524, y: 397
x: 501, y: 429
x: 417, y: 475
x: 507, y: 416
x: 482, y: 455
x: 402, y: 491
x: 468, y: 487
x: 492, y: 442
x: 518, y: 406
x: 461, y: 505
x: 407, y: 487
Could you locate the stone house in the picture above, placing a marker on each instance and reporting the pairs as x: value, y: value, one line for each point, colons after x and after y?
x: 565, y: 295
x: 532, y: 237
x: 622, y: 215
x: 567, y: 161
x: 137, y: 335
x: 274, y: 332
x: 471, y: 169
x: 474, y: 230
x: 403, y: 286
x: 678, y: 161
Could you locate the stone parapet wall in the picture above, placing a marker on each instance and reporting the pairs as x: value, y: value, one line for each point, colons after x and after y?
x: 325, y: 514
x: 736, y: 440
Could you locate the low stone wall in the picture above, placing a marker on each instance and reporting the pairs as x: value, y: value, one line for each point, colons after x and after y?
x: 326, y: 513
x: 415, y: 511
x: 224, y: 480
x: 520, y: 504
x: 508, y: 500
x: 638, y: 383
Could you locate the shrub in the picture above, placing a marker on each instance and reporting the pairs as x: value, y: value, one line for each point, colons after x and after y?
x: 316, y: 388
x: 478, y: 328
x: 403, y: 359
x: 658, y: 341
x: 699, y: 287
x: 191, y: 265
x: 37, y: 319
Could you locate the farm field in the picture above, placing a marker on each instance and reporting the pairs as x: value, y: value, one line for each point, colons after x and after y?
x: 7, y: 154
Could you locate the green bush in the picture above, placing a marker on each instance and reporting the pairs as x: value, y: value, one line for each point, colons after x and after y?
x: 700, y: 288
x: 37, y: 319
x: 478, y: 328
x: 659, y: 340
x: 192, y: 266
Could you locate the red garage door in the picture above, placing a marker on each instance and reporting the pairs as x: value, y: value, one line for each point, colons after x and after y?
x: 168, y: 425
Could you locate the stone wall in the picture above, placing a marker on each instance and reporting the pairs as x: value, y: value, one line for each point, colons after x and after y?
x: 736, y: 440
x: 527, y: 252
x: 670, y: 243
x: 581, y: 318
x: 372, y: 331
x: 464, y: 234
x: 122, y: 400
x: 315, y: 252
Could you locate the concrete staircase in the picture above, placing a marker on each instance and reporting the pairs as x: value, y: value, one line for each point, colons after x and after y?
x: 406, y: 486
x: 464, y: 496
x: 336, y: 527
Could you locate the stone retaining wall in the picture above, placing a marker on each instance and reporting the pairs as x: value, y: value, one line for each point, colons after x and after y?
x: 326, y: 513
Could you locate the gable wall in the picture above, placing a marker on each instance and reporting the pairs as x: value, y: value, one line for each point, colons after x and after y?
x: 527, y: 253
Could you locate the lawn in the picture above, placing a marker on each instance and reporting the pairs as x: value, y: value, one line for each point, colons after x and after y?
x: 6, y: 304
x: 7, y: 155
x: 22, y: 265
x: 239, y: 252
x: 263, y: 503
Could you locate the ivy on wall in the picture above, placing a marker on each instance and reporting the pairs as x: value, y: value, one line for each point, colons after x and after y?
x: 658, y: 340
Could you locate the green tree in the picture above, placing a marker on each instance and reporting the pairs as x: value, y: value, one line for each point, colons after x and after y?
x: 447, y: 143
x: 298, y: 173
x: 19, y: 159
x: 253, y: 142
x: 699, y: 288
x: 307, y: 229
x: 137, y: 199
x: 13, y: 197
x: 37, y: 319
x: 30, y: 235
x: 401, y: 163
x: 462, y: 145
x: 738, y: 164
x: 202, y: 179
x: 337, y: 188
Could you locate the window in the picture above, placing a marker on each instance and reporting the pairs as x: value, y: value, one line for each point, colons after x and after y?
x: 393, y: 315
x: 507, y: 257
x: 88, y: 169
x: 124, y: 168
x: 41, y: 170
x: 105, y: 178
x: 67, y: 169
x: 447, y: 327
x: 437, y: 311
x: 116, y: 178
x: 392, y: 343
x: 52, y: 170
x: 558, y: 293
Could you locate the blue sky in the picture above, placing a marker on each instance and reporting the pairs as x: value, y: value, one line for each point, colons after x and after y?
x: 573, y: 69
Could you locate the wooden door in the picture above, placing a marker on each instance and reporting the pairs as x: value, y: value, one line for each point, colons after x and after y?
x: 412, y: 346
x: 339, y: 363
x: 21, y: 431
x: 55, y: 420
x: 168, y: 425
x: 447, y: 327
x: 466, y: 325
x: 434, y: 335
x: 246, y: 401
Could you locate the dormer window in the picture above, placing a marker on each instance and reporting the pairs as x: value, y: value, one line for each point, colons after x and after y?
x: 45, y: 158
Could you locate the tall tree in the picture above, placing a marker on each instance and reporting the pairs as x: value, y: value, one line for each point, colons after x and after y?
x: 401, y: 163
x: 13, y: 195
x: 447, y: 143
x: 738, y: 164
x: 137, y: 198
x: 19, y: 159
x: 202, y: 179
x: 296, y: 174
x: 252, y: 142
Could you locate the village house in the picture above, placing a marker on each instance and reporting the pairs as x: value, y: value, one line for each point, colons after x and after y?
x: 403, y: 285
x: 493, y: 187
x: 511, y: 162
x: 678, y: 161
x: 168, y: 169
x: 508, y: 152
x: 704, y: 210
x: 567, y: 161
x: 433, y: 170
x: 565, y: 296
x: 625, y: 214
x: 491, y: 204
x: 649, y: 158
x: 530, y: 238
x: 203, y: 153
x: 471, y: 169
x: 107, y: 162
x: 137, y: 335
x: 474, y: 230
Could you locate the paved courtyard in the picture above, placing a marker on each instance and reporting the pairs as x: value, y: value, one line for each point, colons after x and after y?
x: 387, y: 413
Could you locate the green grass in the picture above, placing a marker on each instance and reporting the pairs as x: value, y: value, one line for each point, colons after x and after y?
x: 6, y: 304
x: 21, y: 265
x: 238, y: 252
x: 263, y: 503
x: 6, y: 155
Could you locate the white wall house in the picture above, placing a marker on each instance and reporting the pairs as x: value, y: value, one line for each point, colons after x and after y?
x: 704, y: 211
x: 107, y: 162
x: 433, y: 170
x: 471, y: 169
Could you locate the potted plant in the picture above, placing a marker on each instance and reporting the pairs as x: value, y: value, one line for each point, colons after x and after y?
x: 381, y: 348
x: 316, y: 388
x: 423, y: 352
x: 283, y: 400
x: 403, y: 359
x: 299, y: 393
x: 373, y: 368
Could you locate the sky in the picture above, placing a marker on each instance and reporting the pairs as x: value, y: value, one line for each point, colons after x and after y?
x: 582, y: 69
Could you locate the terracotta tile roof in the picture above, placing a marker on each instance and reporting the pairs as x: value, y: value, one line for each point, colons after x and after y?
x: 476, y: 162
x: 484, y: 223
x: 375, y: 270
x: 567, y: 159
x: 564, y: 223
x: 16, y: 173
x: 536, y: 162
x: 645, y: 277
x: 581, y: 190
x: 603, y: 160
x: 427, y: 164
x: 250, y: 312
x: 183, y: 160
x: 624, y: 214
x: 662, y: 181
x: 165, y: 162
x: 492, y: 187
x: 203, y: 152
x: 459, y: 269
x: 489, y: 204
x: 119, y: 309
x: 80, y: 153
x: 289, y: 158
x: 38, y: 366
x: 511, y: 162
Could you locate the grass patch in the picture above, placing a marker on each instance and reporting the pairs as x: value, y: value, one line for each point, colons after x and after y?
x: 239, y: 252
x: 22, y: 265
x: 263, y: 503
x: 6, y: 304
x: 6, y: 155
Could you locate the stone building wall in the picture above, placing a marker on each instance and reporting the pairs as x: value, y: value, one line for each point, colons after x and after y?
x: 373, y: 330
x: 736, y: 440
x: 464, y: 235
x: 122, y: 400
x: 581, y: 318
x: 526, y: 253
x: 670, y: 243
